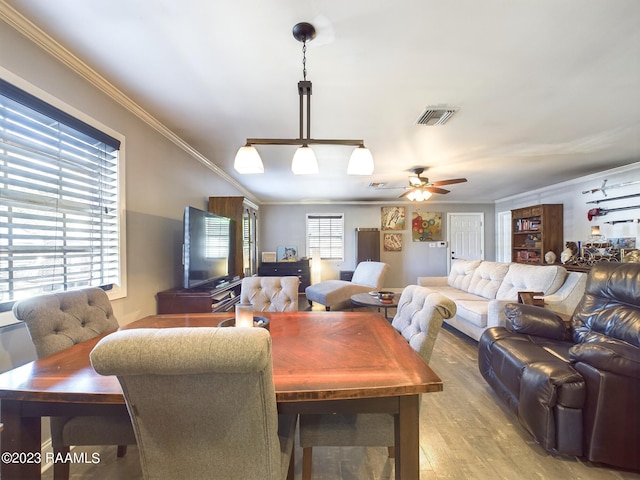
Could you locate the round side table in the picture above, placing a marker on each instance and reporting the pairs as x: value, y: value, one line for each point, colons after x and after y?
x: 368, y: 300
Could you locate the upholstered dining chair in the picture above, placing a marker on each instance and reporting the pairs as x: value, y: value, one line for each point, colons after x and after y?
x: 58, y: 321
x: 270, y: 294
x: 336, y: 294
x: 418, y: 319
x: 202, y: 402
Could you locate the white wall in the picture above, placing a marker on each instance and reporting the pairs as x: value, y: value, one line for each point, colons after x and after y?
x: 285, y: 225
x: 577, y: 227
x: 161, y: 179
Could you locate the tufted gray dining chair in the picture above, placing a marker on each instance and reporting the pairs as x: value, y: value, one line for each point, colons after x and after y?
x: 58, y: 321
x: 202, y: 402
x: 270, y: 294
x: 418, y: 319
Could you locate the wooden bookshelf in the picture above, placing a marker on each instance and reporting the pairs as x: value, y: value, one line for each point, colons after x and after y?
x: 536, y: 230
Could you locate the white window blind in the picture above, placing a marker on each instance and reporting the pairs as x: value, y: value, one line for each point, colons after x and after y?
x: 59, y: 215
x: 326, y: 232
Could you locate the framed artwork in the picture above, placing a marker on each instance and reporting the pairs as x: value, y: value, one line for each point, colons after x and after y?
x: 392, y: 218
x: 269, y: 257
x: 630, y: 255
x: 287, y: 253
x: 392, y: 242
x: 426, y: 227
x: 623, y: 242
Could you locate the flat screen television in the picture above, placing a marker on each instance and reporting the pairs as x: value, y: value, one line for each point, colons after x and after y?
x: 207, y: 248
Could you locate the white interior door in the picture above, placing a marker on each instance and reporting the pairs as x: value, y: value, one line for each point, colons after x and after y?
x: 465, y: 234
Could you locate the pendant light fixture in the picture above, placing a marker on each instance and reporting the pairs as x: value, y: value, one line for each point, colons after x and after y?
x: 304, y: 161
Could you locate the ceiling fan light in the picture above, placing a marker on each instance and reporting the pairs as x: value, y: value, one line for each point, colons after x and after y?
x: 248, y: 160
x: 360, y: 162
x: 304, y: 161
x: 419, y: 195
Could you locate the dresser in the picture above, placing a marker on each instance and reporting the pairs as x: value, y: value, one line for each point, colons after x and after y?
x: 299, y: 269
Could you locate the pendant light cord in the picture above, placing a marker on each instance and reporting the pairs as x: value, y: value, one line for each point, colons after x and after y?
x: 304, y: 60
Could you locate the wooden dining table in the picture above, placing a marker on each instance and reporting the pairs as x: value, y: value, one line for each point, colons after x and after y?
x: 323, y: 362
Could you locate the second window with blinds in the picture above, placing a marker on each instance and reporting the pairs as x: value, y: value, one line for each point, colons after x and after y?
x: 325, y: 231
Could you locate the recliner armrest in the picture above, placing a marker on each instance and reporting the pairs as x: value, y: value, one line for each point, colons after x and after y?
x: 609, y: 357
x: 538, y: 321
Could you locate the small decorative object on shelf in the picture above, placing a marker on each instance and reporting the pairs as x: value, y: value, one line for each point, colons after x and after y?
x: 287, y: 253
x: 550, y: 257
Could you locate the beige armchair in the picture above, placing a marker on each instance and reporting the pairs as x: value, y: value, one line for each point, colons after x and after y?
x: 270, y: 294
x: 337, y: 293
x: 418, y: 319
x: 202, y: 402
x: 58, y: 321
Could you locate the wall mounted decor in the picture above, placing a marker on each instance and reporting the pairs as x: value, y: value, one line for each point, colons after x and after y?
x: 426, y: 227
x: 392, y: 242
x: 393, y: 218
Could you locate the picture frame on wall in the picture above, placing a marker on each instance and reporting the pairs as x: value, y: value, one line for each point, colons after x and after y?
x: 392, y: 242
x: 426, y: 227
x: 392, y: 218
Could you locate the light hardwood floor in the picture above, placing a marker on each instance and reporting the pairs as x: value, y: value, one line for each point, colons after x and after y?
x: 465, y: 433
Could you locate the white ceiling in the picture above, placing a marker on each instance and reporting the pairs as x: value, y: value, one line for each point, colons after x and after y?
x: 547, y: 90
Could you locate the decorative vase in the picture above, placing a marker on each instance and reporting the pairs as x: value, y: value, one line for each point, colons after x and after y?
x: 550, y: 257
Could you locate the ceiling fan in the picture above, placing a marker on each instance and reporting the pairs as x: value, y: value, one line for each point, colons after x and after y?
x: 420, y: 188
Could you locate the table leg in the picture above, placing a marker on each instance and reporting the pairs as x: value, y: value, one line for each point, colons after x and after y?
x: 407, y: 438
x: 20, y: 435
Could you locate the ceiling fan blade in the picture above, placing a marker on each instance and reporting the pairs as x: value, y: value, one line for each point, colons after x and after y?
x: 436, y: 190
x: 409, y: 190
x: 449, y: 182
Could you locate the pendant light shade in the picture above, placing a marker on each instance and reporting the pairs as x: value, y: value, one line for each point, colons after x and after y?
x: 248, y: 160
x: 361, y: 162
x: 304, y: 161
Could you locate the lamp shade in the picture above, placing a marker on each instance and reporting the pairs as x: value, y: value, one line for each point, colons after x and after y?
x: 360, y: 162
x: 419, y: 195
x: 304, y: 161
x: 248, y: 160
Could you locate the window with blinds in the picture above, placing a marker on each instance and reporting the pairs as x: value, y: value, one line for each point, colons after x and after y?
x: 59, y: 209
x: 326, y: 232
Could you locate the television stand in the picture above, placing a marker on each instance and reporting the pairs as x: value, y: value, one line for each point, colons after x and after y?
x: 221, y: 298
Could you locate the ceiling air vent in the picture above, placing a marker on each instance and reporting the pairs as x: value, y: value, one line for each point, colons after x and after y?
x: 435, y: 116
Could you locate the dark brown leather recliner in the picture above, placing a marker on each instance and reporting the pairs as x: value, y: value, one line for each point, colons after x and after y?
x: 575, y: 389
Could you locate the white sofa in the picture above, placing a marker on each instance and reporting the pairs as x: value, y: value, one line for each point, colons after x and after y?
x: 481, y: 289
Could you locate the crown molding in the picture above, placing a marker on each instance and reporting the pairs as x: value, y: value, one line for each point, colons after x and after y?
x: 632, y: 167
x: 27, y: 28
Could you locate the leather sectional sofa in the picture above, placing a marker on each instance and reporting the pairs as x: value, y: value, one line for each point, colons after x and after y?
x: 481, y: 289
x: 575, y: 388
